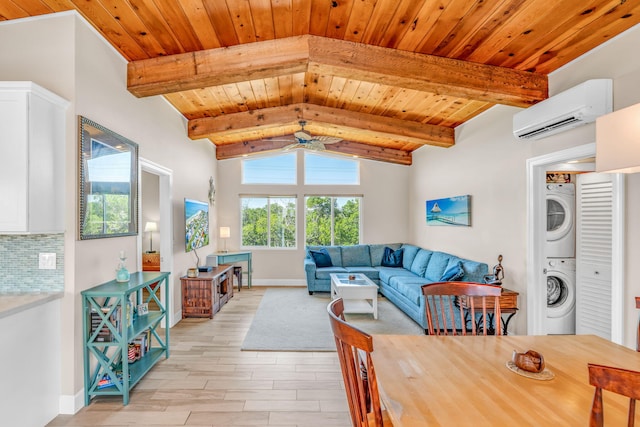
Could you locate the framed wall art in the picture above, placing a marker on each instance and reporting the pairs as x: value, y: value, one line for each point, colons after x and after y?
x: 108, y: 183
x: 455, y: 211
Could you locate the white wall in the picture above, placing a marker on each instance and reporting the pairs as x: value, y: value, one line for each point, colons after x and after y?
x: 65, y: 55
x: 488, y: 163
x: 385, y: 213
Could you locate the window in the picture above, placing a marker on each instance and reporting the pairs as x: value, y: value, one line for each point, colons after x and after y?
x: 332, y: 220
x: 327, y: 170
x: 268, y: 221
x: 280, y: 169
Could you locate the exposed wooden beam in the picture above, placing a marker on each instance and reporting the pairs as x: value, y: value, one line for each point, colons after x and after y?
x: 386, y: 127
x: 214, y: 67
x: 332, y: 120
x: 229, y: 124
x: 428, y: 73
x: 356, y: 61
x: 350, y: 148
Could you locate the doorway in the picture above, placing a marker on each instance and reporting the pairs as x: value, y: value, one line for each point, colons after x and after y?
x: 164, y: 236
x: 536, y: 240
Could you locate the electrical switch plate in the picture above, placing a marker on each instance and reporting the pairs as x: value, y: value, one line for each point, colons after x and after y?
x: 47, y: 261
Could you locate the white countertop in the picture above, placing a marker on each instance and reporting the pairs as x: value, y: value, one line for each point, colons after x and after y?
x: 15, y: 302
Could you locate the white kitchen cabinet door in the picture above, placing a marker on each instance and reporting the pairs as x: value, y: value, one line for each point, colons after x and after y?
x: 32, y: 143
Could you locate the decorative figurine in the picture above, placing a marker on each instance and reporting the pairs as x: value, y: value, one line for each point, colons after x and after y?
x: 531, y: 361
x: 498, y: 274
x: 122, y: 274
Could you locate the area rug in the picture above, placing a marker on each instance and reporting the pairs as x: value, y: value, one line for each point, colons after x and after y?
x: 289, y: 319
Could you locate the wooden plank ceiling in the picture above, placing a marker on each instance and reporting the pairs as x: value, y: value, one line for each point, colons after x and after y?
x: 386, y: 76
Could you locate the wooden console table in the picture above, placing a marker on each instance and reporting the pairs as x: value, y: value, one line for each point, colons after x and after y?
x: 203, y: 296
x: 508, y: 305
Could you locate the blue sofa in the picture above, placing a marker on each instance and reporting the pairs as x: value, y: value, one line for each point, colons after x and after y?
x: 400, y: 285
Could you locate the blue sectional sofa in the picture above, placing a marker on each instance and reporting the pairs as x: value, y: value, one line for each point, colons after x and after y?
x: 401, y: 285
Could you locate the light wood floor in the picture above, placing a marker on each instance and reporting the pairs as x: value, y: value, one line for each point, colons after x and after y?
x: 209, y: 381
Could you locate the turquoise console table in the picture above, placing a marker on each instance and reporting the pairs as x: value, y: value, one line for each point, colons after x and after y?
x: 231, y: 257
x: 121, y: 344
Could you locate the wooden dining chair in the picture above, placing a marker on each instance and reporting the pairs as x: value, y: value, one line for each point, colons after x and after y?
x: 616, y: 380
x: 354, y: 351
x: 477, y: 305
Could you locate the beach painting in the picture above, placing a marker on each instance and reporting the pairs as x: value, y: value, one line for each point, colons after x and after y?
x: 449, y: 211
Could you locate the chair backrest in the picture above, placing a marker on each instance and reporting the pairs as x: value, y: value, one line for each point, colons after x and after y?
x: 477, y: 304
x: 616, y: 380
x: 354, y: 351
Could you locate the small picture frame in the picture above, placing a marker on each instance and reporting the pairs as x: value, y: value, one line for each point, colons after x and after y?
x: 143, y: 309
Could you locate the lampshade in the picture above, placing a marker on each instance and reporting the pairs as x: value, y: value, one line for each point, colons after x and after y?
x: 151, y: 226
x: 618, y: 141
x: 225, y: 232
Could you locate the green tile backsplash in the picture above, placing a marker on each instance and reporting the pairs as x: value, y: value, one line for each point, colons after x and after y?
x: 19, y: 263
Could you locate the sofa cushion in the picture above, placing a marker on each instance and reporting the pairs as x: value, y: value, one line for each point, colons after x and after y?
x: 473, y: 271
x: 321, y: 258
x: 376, y: 252
x: 408, y: 255
x: 392, y: 258
x: 409, y: 287
x: 324, y: 273
x: 419, y: 264
x: 335, y: 252
x: 370, y: 272
x: 437, y: 266
x: 356, y: 255
x: 386, y: 273
x: 453, y: 273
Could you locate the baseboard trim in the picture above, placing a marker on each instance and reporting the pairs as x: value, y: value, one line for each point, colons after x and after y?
x: 69, y: 405
x: 176, y: 318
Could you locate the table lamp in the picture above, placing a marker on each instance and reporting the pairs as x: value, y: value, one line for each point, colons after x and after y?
x: 151, y: 226
x: 225, y: 233
x: 618, y: 141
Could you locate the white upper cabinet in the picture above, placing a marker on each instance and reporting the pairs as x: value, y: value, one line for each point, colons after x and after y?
x: 32, y: 143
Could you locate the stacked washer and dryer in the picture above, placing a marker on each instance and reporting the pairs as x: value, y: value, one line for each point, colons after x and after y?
x: 561, y: 262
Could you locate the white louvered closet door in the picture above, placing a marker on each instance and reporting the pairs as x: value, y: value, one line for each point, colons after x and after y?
x: 596, y: 213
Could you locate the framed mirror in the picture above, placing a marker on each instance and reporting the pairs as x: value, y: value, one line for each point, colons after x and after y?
x: 108, y: 187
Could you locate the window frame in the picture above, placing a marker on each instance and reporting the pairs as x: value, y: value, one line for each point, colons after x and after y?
x: 355, y: 161
x: 267, y: 157
x: 335, y: 196
x: 268, y: 247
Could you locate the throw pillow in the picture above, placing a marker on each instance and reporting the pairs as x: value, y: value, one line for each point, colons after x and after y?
x: 453, y: 273
x: 392, y: 258
x: 321, y: 258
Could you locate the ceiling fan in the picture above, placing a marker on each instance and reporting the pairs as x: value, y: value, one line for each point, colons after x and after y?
x: 305, y: 140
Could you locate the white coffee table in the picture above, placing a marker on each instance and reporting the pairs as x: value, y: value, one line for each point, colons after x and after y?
x: 360, y: 294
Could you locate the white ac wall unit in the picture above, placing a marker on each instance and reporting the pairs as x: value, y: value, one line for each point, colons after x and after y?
x: 574, y: 107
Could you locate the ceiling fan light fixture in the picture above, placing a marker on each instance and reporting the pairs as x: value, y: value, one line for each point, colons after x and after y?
x: 304, y: 139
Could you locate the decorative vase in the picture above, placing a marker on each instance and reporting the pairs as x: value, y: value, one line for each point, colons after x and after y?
x: 122, y: 274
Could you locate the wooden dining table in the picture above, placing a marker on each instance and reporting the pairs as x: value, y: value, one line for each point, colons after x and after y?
x: 465, y: 381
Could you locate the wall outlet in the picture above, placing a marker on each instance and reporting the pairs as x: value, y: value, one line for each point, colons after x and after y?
x: 47, y: 261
